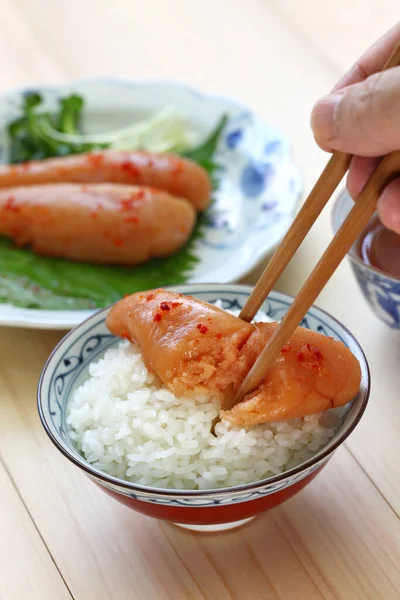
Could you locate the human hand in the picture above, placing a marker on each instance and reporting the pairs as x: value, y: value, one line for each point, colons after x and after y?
x: 361, y: 116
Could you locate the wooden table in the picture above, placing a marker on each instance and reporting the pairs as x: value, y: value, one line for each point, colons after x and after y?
x: 60, y: 536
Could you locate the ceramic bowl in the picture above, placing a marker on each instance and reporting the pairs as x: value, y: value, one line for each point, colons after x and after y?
x: 216, y: 509
x: 380, y: 290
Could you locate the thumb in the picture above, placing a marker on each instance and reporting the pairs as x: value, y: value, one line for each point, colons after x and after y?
x: 363, y: 118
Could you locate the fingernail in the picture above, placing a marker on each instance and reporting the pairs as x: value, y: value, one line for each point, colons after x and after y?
x: 323, y: 117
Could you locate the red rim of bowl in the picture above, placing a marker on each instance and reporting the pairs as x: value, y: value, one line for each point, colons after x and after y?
x: 252, y: 486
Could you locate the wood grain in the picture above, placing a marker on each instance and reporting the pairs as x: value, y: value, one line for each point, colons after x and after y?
x: 340, y: 538
x: 26, y: 567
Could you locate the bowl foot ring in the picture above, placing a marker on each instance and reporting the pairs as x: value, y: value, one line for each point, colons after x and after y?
x: 214, y: 528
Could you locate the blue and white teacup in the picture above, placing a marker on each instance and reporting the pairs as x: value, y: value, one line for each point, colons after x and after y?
x: 380, y: 289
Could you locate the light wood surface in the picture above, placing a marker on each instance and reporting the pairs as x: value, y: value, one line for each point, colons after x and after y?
x: 60, y: 536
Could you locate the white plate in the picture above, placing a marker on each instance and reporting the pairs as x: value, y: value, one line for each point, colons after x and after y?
x: 259, y: 184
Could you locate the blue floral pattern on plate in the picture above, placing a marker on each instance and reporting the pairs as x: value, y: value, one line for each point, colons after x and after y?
x: 68, y: 366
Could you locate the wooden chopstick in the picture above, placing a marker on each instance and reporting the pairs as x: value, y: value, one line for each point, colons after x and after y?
x: 348, y: 233
x: 311, y: 209
x: 306, y: 217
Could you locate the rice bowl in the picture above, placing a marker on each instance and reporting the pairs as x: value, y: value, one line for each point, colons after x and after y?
x: 126, y: 423
x: 68, y: 368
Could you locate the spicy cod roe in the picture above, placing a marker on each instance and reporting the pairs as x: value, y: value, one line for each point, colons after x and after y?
x: 312, y: 373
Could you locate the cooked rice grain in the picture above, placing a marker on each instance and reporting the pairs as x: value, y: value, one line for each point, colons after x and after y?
x: 127, y: 424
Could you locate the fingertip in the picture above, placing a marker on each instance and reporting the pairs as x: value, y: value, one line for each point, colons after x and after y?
x: 389, y: 206
x: 322, y: 120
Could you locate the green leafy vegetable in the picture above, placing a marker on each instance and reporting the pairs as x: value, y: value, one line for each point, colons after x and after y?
x: 34, y: 135
x: 38, y: 134
x: 32, y: 281
x: 204, y: 153
x: 71, y: 108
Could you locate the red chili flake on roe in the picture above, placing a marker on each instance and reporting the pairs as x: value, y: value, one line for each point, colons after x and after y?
x: 131, y: 219
x: 218, y: 336
x: 164, y: 306
x: 149, y: 297
x: 129, y: 202
x: 118, y: 242
x: 286, y: 348
x: 176, y: 304
x: 157, y: 317
x: 129, y: 167
x: 310, y: 358
x: 202, y: 328
x: 11, y: 206
x: 126, y: 204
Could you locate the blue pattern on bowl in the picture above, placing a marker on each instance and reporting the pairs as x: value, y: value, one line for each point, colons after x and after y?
x: 381, y: 291
x: 69, y: 362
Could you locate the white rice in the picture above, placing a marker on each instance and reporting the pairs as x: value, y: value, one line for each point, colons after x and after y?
x: 126, y: 423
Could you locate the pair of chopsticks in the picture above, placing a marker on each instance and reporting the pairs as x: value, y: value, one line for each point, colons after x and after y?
x: 352, y: 227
